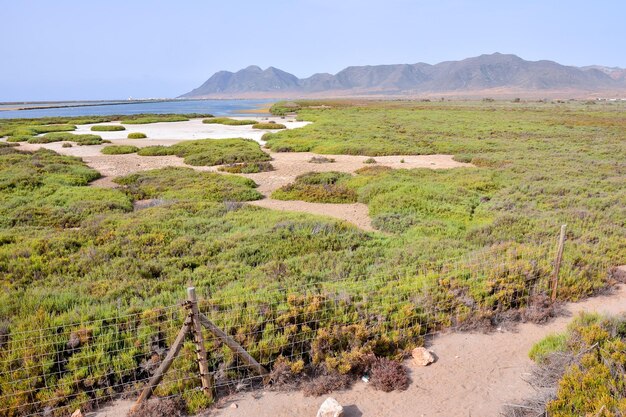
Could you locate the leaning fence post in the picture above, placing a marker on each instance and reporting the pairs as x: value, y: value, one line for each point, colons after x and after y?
x: 165, y: 365
x: 205, y: 375
x: 557, y: 262
x: 233, y: 345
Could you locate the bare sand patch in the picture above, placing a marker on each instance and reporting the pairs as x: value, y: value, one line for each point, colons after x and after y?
x: 288, y: 165
x: 356, y: 213
x: 189, y: 130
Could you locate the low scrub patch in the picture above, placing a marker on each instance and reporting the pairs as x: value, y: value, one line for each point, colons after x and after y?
x: 187, y: 184
x: 137, y: 135
x: 247, y: 168
x: 141, y: 119
x: 269, y: 125
x: 321, y: 160
x: 119, y: 149
x: 85, y: 139
x: 228, y: 121
x: 107, y: 128
x: 19, y: 138
x: 318, y: 187
x: 208, y: 152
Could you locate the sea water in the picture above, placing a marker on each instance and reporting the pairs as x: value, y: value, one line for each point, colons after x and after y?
x: 214, y: 107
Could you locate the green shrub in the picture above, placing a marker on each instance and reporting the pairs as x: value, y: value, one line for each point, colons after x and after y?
x: 318, y: 187
x: 321, y: 160
x: 119, y: 149
x: 269, y: 125
x: 137, y: 135
x: 19, y: 138
x: 107, y: 128
x: 187, y: 184
x: 85, y: 139
x: 247, y: 168
x: 138, y: 119
x: 208, y: 152
x: 588, y: 363
x: 229, y: 121
x: 547, y: 346
x: 156, y: 150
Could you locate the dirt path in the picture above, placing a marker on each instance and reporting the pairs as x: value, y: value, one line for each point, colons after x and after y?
x: 475, y: 374
x: 288, y: 165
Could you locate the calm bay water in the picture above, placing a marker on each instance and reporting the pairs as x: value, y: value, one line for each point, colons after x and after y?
x: 215, y: 107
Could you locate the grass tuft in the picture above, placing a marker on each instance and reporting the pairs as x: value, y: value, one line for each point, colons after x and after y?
x: 119, y: 149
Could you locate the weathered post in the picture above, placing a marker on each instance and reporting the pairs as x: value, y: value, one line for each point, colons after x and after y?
x: 557, y: 263
x: 233, y: 345
x: 165, y: 365
x: 205, y: 375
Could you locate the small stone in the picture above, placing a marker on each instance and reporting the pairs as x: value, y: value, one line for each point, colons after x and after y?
x: 330, y: 408
x: 234, y: 405
x: 422, y: 356
x: 77, y: 413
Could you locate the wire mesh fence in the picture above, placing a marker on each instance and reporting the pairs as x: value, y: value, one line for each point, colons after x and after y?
x: 52, y: 371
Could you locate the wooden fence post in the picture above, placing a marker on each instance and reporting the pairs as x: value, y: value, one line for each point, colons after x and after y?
x: 165, y: 365
x: 205, y: 375
x: 233, y: 345
x: 557, y: 263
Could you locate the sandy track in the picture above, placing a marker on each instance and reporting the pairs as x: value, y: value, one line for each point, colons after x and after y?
x: 475, y: 374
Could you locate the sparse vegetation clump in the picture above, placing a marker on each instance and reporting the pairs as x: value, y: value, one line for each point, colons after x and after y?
x: 269, y: 125
x: 318, y: 187
x: 107, y: 128
x: 189, y: 185
x: 247, y: 168
x: 141, y: 119
x: 228, y: 121
x: 321, y: 160
x: 119, y: 149
x: 137, y: 135
x: 208, y: 152
x: 83, y: 139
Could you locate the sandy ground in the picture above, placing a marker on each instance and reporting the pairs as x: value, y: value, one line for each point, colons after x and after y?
x: 475, y: 375
x: 192, y: 129
x: 288, y: 165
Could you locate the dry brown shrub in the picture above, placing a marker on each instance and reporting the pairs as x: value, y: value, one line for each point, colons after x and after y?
x: 540, y: 309
x: 388, y: 375
x: 326, y: 382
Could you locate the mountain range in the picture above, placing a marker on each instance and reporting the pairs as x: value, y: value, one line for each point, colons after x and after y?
x: 497, y: 74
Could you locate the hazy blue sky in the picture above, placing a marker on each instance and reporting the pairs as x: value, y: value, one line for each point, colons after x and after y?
x: 115, y: 49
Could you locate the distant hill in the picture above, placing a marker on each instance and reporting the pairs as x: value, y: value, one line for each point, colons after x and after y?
x: 498, y: 74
